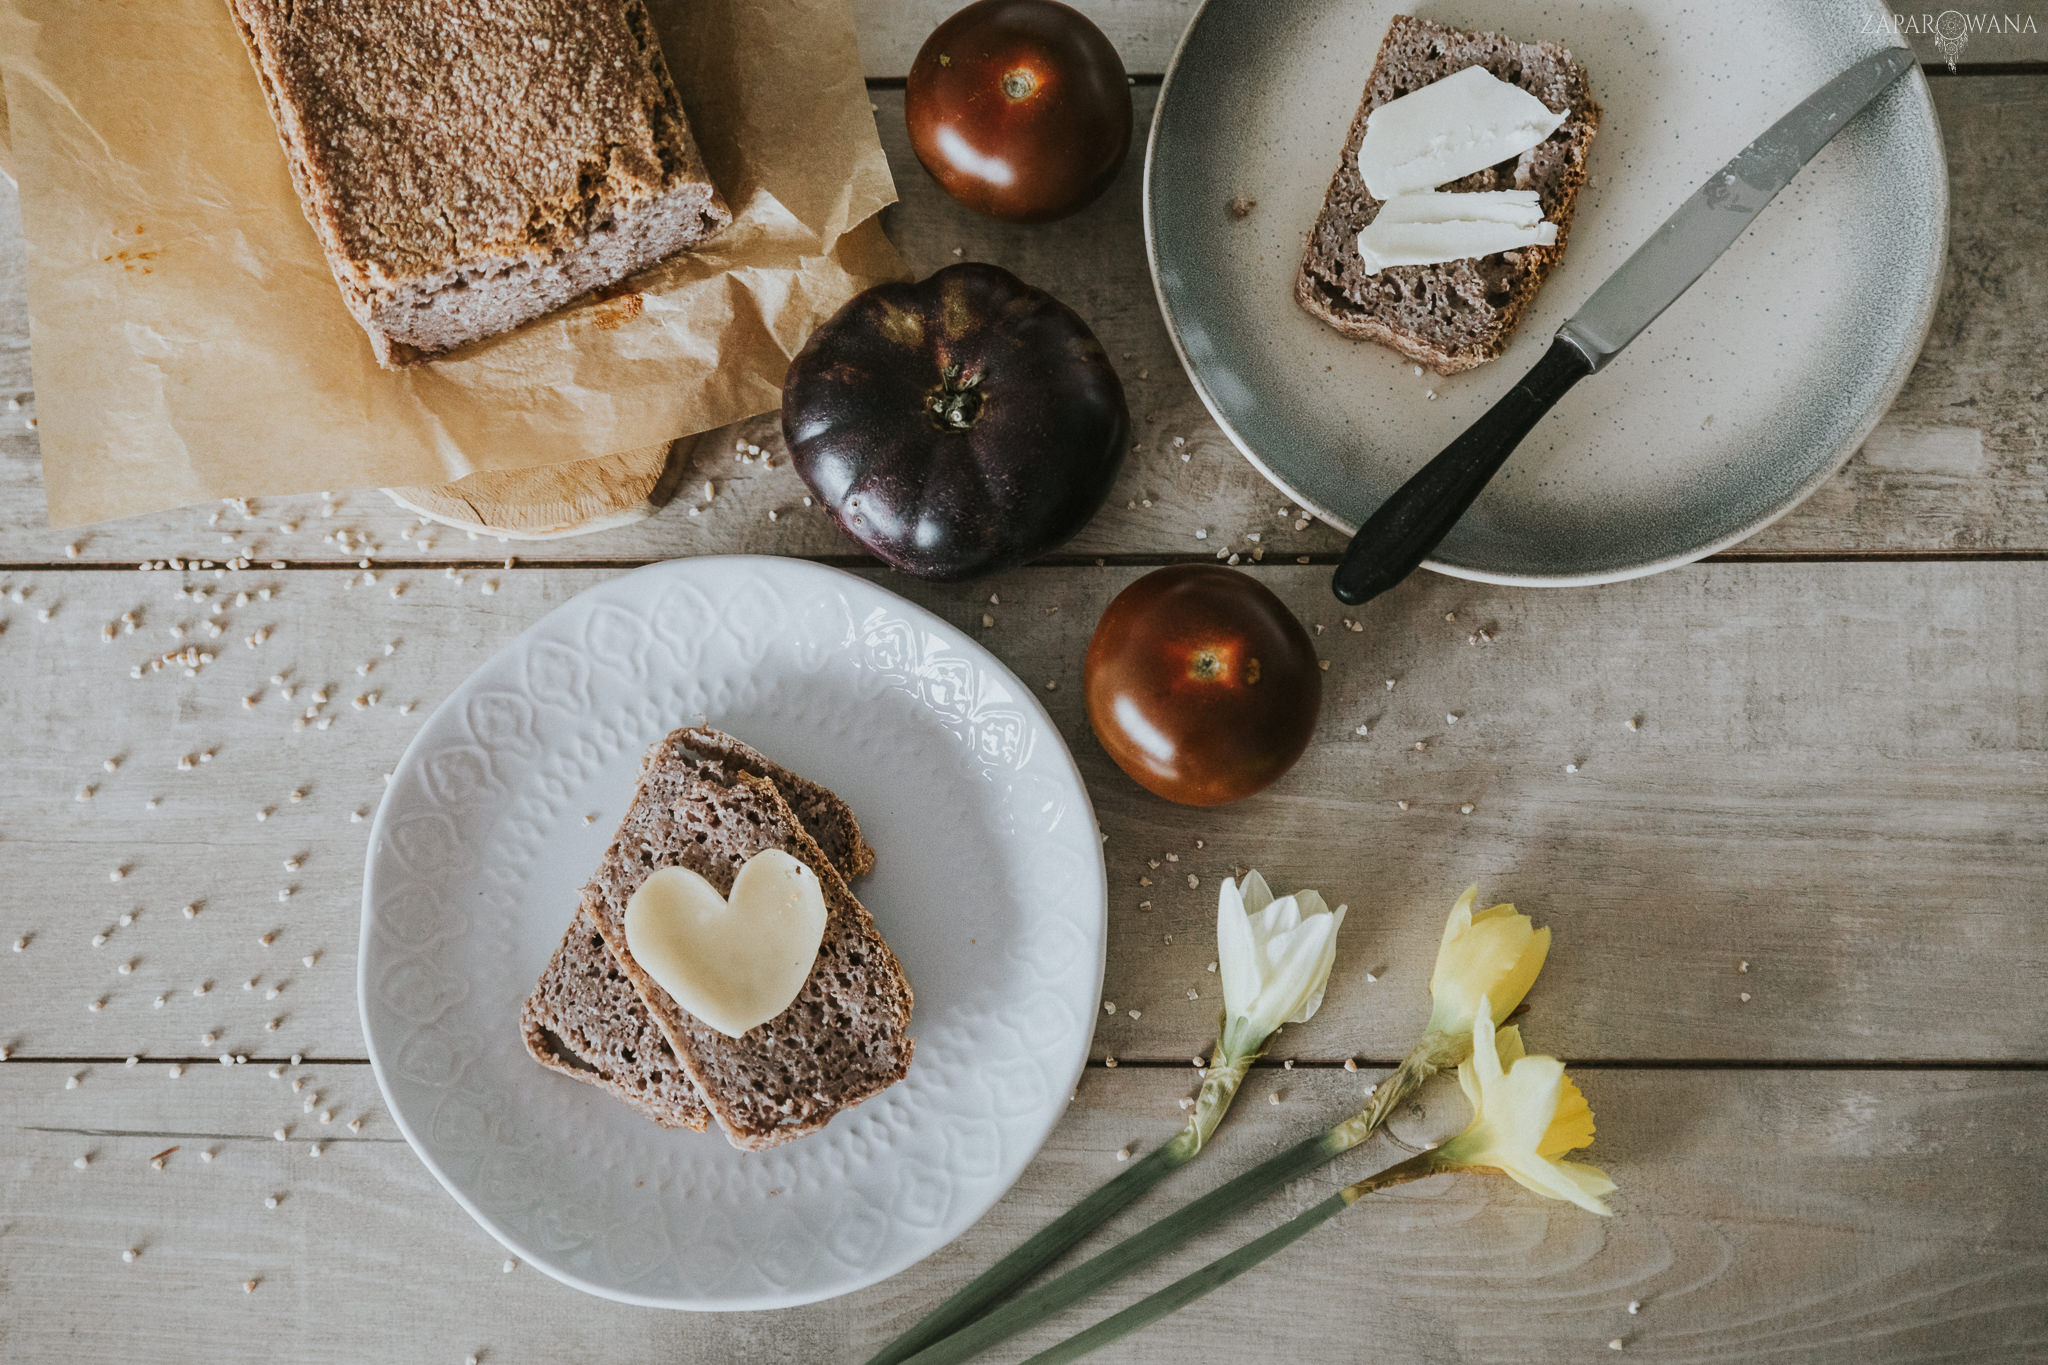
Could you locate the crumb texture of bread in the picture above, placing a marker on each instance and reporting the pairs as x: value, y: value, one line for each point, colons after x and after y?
x: 826, y: 818
x: 586, y: 1020
x: 469, y: 165
x: 1458, y: 314
x: 845, y: 1037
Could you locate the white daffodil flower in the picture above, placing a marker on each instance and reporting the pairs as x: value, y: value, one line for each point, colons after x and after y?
x: 1274, y: 956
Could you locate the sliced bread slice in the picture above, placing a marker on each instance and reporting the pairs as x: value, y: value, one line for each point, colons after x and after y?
x: 844, y: 1038
x: 1457, y: 314
x: 586, y: 1020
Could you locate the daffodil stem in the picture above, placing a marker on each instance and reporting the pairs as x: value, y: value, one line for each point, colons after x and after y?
x: 1223, y: 1270
x: 1430, y: 1055
x: 1219, y: 1087
x: 1141, y: 1248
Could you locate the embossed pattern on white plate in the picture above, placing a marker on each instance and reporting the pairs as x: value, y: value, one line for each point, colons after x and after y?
x: 988, y: 883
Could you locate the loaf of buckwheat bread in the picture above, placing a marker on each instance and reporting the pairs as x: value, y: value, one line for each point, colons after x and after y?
x: 845, y: 1037
x: 469, y: 165
x: 585, y: 1019
x: 1457, y: 314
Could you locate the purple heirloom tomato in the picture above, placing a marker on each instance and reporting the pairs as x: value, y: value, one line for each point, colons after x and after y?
x: 958, y: 426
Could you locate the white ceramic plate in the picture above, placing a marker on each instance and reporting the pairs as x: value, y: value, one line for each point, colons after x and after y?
x: 988, y: 883
x: 1733, y: 406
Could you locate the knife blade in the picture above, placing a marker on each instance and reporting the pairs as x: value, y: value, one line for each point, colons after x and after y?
x: 1708, y: 222
x: 1397, y: 537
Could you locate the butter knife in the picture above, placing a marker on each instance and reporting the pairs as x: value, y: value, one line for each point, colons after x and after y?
x: 1395, y: 540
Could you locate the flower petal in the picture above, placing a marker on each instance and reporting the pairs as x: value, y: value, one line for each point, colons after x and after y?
x: 1513, y: 985
x: 1571, y: 1126
x: 1237, y: 953
x: 1461, y: 917
x: 1496, y: 953
x: 1296, y: 971
x: 1308, y: 1007
x: 1485, y: 1056
x: 1328, y: 958
x: 1520, y: 1107
x: 1277, y: 918
x: 1571, y: 1181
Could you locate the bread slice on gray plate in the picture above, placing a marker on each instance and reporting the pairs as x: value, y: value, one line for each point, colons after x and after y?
x: 586, y: 1020
x: 845, y: 1037
x: 1457, y: 314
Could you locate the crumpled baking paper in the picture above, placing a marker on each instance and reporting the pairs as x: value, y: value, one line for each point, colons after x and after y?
x: 189, y: 341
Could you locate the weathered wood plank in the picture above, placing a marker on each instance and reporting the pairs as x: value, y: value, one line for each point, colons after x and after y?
x: 1761, y: 1215
x: 1145, y: 32
x: 1837, y: 780
x: 1958, y: 465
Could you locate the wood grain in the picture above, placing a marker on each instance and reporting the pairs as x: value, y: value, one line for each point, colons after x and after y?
x: 1762, y: 1215
x: 1146, y: 31
x: 1836, y: 780
x: 1956, y: 467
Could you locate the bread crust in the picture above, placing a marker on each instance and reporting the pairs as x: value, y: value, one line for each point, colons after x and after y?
x: 1405, y: 307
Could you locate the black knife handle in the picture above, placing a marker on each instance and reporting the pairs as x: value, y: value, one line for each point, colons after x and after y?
x: 1399, y: 536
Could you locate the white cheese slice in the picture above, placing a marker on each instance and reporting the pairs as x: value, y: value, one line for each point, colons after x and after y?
x: 733, y: 962
x: 1424, y: 229
x: 1448, y: 129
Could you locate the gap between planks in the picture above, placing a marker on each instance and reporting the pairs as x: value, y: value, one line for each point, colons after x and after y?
x: 1151, y: 559
x: 1849, y: 1065
x: 1151, y: 80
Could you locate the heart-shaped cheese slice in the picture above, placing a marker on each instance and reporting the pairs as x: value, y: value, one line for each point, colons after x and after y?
x: 733, y: 961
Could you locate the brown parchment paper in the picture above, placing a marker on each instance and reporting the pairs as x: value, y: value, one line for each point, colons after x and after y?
x: 189, y: 341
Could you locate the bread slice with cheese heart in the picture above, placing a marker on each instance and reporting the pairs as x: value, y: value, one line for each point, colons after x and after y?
x: 844, y: 1038
x: 585, y: 1018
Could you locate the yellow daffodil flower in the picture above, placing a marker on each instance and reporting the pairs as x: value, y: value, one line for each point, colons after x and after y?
x: 1274, y: 957
x: 1494, y: 955
x: 1526, y: 1114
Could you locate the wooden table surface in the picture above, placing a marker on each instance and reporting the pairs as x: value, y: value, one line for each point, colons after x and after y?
x: 1838, y: 777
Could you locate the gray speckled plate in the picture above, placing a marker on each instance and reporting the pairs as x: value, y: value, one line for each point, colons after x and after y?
x: 1720, y: 418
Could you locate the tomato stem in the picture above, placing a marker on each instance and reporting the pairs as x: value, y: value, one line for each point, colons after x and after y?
x: 955, y: 404
x: 1019, y: 83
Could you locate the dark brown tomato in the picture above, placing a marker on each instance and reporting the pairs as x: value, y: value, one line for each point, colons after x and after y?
x: 958, y: 426
x: 1201, y: 684
x: 1020, y: 109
